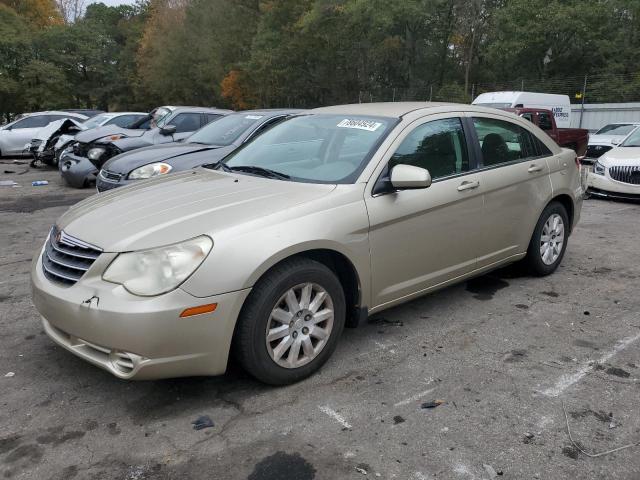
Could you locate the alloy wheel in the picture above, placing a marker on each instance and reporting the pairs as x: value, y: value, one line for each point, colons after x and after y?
x: 552, y: 239
x: 299, y: 325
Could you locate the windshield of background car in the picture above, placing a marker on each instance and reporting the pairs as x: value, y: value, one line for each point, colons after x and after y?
x: 160, y: 116
x: 632, y: 140
x: 96, y: 121
x: 225, y: 131
x: 616, y: 130
x: 316, y: 148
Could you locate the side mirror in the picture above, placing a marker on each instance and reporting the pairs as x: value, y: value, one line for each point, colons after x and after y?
x: 74, y: 129
x: 616, y: 141
x: 408, y: 177
x: 168, y: 130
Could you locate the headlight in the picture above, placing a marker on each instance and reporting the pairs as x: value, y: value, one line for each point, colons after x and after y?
x: 95, y: 153
x: 598, y: 168
x: 160, y: 270
x: 150, y: 170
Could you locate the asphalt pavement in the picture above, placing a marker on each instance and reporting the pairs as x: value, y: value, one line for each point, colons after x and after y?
x: 476, y: 381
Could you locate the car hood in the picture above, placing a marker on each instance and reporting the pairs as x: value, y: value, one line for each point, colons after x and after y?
x: 177, y: 207
x: 605, y: 139
x: 96, y: 133
x: 181, y: 156
x: 622, y: 156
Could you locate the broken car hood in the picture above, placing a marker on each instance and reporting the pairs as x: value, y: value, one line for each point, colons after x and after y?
x: 177, y: 207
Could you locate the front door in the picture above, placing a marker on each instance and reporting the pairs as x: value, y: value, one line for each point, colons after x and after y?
x: 422, y: 238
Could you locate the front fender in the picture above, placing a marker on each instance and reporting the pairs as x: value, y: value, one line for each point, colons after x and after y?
x: 242, y: 255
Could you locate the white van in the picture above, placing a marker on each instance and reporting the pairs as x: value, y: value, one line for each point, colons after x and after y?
x: 558, y: 104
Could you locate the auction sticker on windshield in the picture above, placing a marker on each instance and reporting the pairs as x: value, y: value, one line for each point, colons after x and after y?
x: 360, y: 124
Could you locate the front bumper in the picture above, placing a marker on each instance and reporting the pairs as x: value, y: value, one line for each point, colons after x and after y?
x: 604, y: 186
x: 76, y: 171
x: 133, y: 337
x: 113, y: 180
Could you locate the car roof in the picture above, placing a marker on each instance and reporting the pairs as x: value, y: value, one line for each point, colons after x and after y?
x: 272, y: 112
x: 200, y: 110
x: 398, y: 109
x: 58, y: 112
x: 118, y: 114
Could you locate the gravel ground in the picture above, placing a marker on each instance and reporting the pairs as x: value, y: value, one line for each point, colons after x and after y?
x: 503, y: 353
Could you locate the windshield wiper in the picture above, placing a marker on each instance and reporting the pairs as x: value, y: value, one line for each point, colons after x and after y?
x: 264, y: 172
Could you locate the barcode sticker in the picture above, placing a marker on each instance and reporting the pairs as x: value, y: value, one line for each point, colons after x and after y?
x: 368, y: 125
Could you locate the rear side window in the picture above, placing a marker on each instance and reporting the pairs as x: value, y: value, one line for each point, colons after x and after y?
x: 36, y: 121
x: 504, y: 142
x: 438, y: 146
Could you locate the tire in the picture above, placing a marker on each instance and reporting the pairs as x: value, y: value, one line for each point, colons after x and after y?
x: 269, y: 297
x: 541, y: 262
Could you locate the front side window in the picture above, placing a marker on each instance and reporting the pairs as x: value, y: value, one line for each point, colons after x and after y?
x: 438, y: 146
x: 503, y: 142
x: 227, y: 130
x: 320, y: 148
x: 186, y: 122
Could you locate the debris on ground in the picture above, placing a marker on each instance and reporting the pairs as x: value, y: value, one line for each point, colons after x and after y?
x: 491, y: 471
x: 432, y: 404
x: 39, y: 183
x: 9, y: 171
x: 10, y: 374
x: 386, y: 322
x: 528, y: 437
x: 398, y: 419
x: 7, y: 183
x: 361, y: 470
x: 202, y: 422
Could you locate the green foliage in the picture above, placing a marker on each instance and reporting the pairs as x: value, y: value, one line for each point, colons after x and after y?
x: 304, y: 53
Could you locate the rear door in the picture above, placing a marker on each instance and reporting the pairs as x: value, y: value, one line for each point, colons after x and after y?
x: 422, y: 238
x: 514, y: 174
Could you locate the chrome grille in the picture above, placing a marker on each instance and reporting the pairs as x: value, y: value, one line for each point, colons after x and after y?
x: 628, y: 174
x: 65, y: 258
x: 596, y: 151
x: 106, y: 174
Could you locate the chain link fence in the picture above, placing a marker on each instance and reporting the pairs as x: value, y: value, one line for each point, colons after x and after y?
x: 599, y: 88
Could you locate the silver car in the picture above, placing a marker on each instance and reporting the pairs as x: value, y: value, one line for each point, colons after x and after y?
x: 16, y: 136
x: 322, y: 220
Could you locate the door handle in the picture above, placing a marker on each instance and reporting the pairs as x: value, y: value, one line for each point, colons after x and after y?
x: 534, y: 168
x: 468, y: 185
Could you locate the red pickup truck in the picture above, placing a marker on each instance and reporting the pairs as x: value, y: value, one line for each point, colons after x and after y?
x: 576, y: 139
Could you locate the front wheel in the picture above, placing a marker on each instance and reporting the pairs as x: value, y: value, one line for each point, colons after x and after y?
x: 291, y: 322
x: 549, y: 240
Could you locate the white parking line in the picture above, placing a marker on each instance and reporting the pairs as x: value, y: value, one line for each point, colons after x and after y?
x: 413, y: 398
x: 565, y: 381
x: 335, y: 415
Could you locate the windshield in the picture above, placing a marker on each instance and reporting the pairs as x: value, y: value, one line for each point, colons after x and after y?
x: 160, y: 116
x: 616, y: 129
x: 225, y: 131
x: 494, y: 105
x: 632, y: 140
x: 315, y: 148
x: 96, y: 121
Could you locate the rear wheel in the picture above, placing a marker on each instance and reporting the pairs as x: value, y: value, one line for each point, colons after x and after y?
x: 549, y: 240
x: 291, y: 322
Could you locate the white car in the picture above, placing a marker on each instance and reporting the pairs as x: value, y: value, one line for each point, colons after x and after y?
x: 616, y: 174
x: 606, y: 138
x: 15, y: 136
